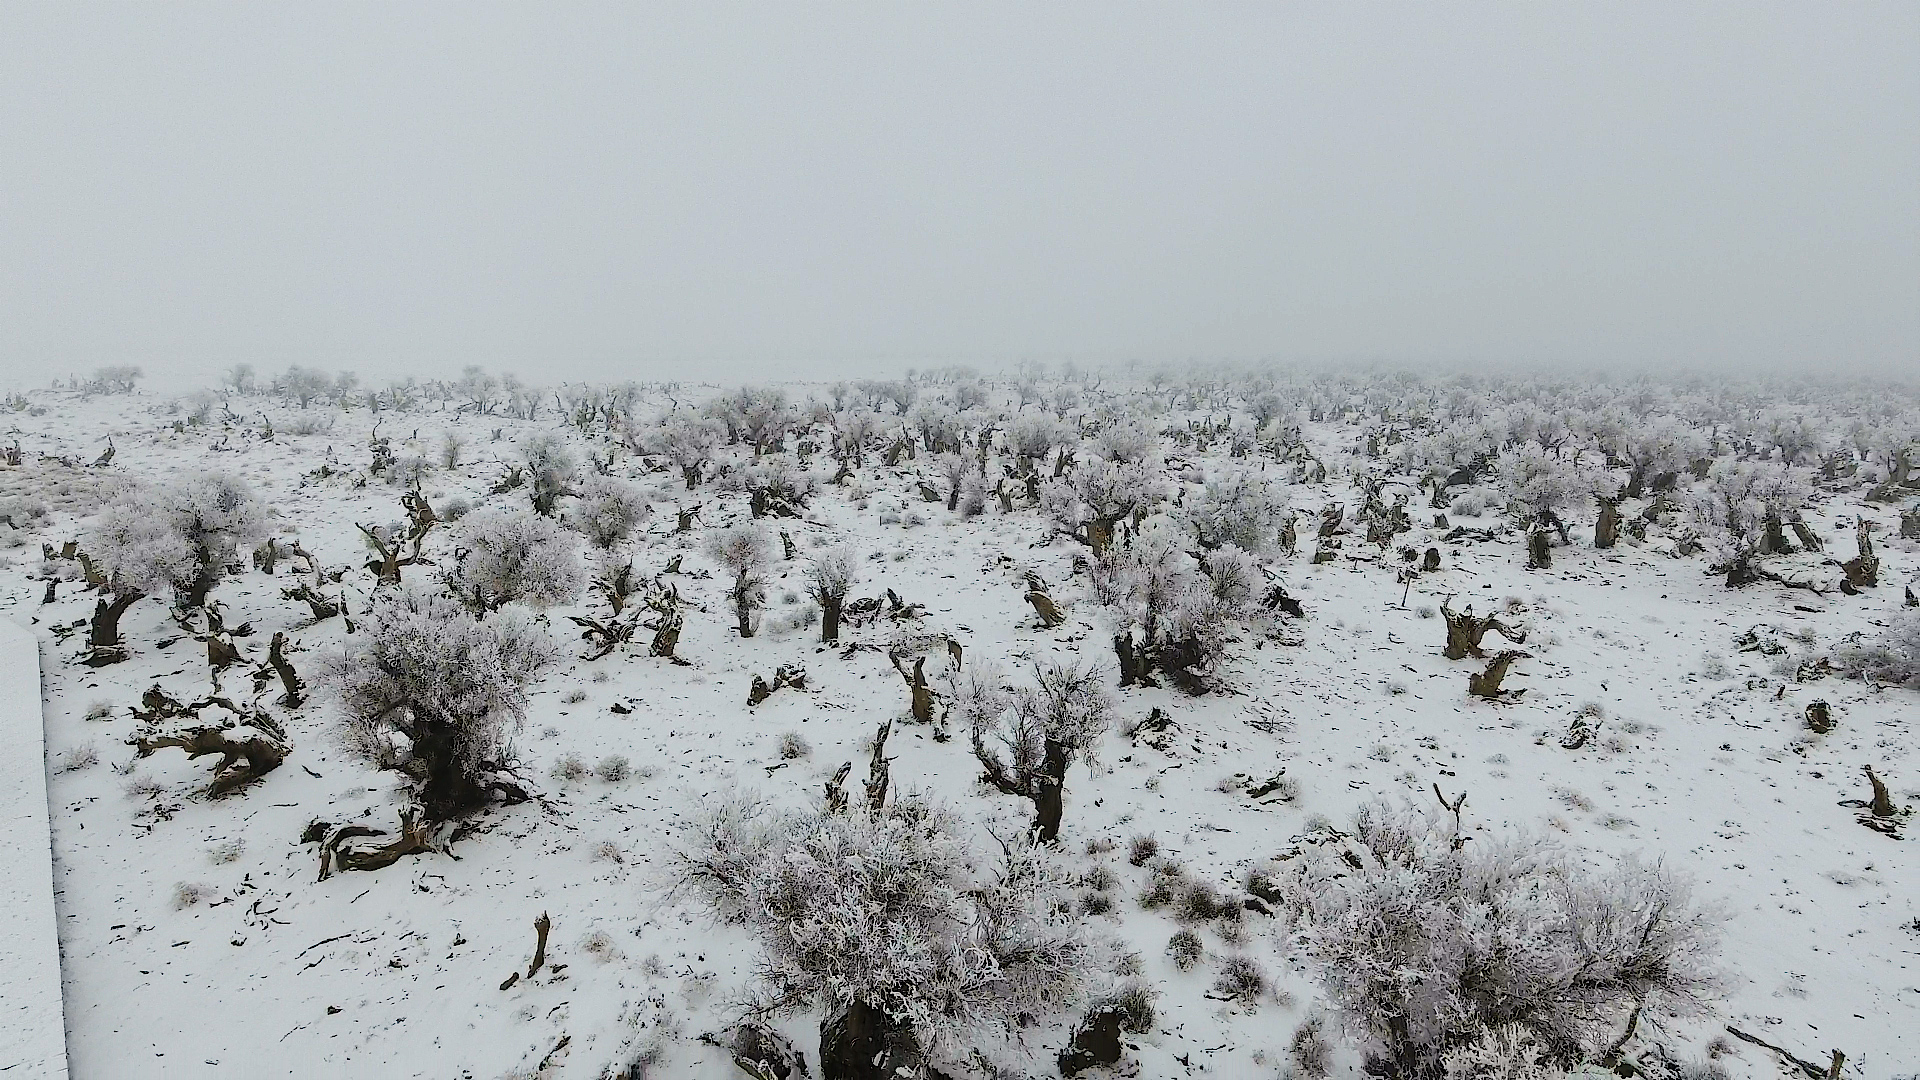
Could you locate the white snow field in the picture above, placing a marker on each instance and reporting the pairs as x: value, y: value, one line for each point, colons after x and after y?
x: 32, y: 1036
x: 198, y: 940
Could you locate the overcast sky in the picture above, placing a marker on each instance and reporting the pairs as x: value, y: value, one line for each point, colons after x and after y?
x: 705, y: 190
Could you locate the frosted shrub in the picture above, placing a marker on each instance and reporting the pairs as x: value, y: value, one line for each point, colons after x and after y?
x: 1125, y: 443
x: 512, y: 556
x: 938, y: 425
x: 1433, y: 941
x: 608, y: 510
x: 430, y: 688
x: 1166, y: 615
x: 1241, y: 978
x: 551, y: 469
x: 1233, y: 577
x: 1892, y: 658
x: 1506, y: 1053
x: 793, y: 746
x: 23, y: 514
x: 1239, y: 507
x: 953, y: 470
x: 973, y: 494
x: 1661, y: 444
x: 892, y: 923
x: 1185, y: 948
x: 1468, y: 504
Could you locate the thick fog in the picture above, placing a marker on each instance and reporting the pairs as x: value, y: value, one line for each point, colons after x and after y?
x: 693, y: 191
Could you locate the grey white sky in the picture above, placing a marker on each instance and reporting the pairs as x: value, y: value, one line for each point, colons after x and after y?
x: 687, y: 190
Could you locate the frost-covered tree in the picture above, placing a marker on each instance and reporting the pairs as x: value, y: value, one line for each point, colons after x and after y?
x: 916, y: 949
x: 830, y: 575
x: 1100, y: 495
x: 512, y: 556
x: 1743, y: 504
x: 180, y: 536
x: 764, y: 415
x: 118, y: 378
x: 856, y: 427
x: 608, y: 510
x: 745, y: 553
x: 433, y: 690
x: 938, y: 425
x: 689, y: 442
x: 1656, y: 448
x: 1240, y: 507
x: 477, y: 388
x: 304, y: 385
x: 240, y: 378
x: 776, y: 486
x: 1425, y: 940
x: 1166, y: 616
x: 1031, y: 436
x: 138, y: 552
x: 953, y: 469
x: 1539, y: 485
x: 1027, y: 737
x: 551, y: 469
x: 1792, y: 435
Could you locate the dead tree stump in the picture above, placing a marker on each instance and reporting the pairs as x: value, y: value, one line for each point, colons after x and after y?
x: 540, y: 927
x: 1863, y: 571
x: 1539, y: 547
x: 1464, y: 631
x: 1486, y: 684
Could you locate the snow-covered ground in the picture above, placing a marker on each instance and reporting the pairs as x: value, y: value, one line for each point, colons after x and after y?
x: 197, y: 942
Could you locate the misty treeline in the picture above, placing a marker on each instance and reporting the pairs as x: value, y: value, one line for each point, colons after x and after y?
x: 919, y: 938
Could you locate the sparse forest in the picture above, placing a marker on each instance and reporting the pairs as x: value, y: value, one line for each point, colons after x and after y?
x: 1138, y: 721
